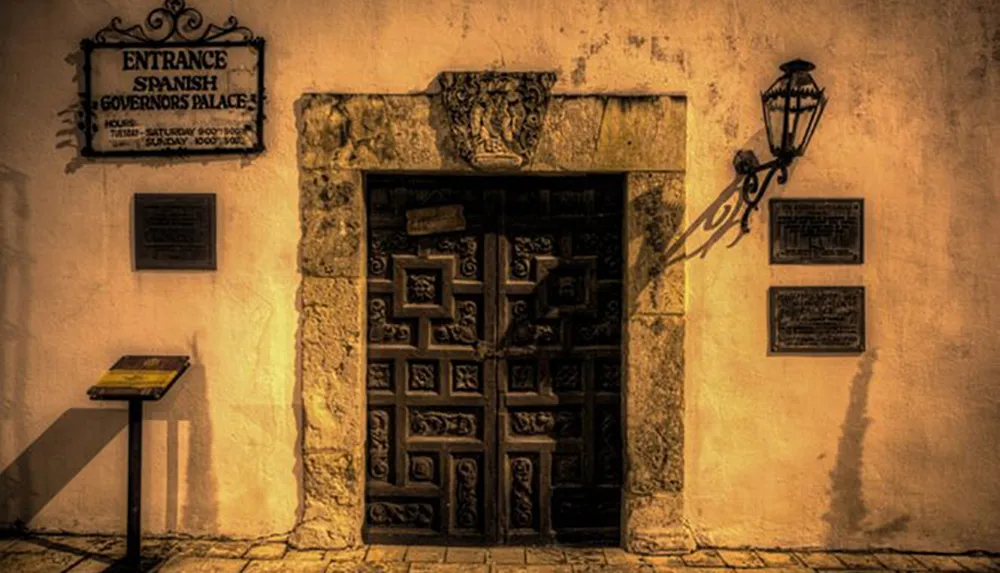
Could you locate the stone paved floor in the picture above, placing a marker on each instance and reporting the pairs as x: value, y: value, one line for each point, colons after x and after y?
x: 88, y: 554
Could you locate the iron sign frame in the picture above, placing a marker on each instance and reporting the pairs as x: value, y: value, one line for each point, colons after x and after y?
x: 173, y: 25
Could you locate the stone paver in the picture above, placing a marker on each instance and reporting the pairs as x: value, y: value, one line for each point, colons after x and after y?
x: 448, y: 568
x: 899, y: 562
x: 26, y: 546
x: 978, y: 563
x: 94, y: 554
x: 35, y: 562
x: 819, y: 560
x: 664, y: 562
x: 188, y: 564
x: 385, y: 553
x: 586, y: 556
x: 90, y: 566
x: 740, y: 559
x: 618, y: 556
x: 465, y: 555
x: 308, y: 555
x: 778, y: 559
x: 544, y: 556
x: 704, y: 558
x: 284, y: 566
x: 532, y: 569
x: 229, y: 549
x: 938, y: 562
x: 507, y: 555
x: 347, y: 555
x: 425, y: 554
x: 370, y: 567
x: 266, y: 551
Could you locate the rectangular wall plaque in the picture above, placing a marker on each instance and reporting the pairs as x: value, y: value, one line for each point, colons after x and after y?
x: 817, y: 231
x: 177, y: 86
x: 175, y: 231
x: 816, y: 319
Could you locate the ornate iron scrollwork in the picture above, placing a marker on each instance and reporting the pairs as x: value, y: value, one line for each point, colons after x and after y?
x: 496, y: 117
x: 173, y: 22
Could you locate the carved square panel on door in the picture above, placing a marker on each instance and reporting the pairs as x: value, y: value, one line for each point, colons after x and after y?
x: 494, y: 355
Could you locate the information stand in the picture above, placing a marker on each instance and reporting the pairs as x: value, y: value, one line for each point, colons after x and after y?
x: 137, y: 379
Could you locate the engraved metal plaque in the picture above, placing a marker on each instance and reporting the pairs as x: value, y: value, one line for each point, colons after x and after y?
x: 817, y: 231
x: 816, y: 319
x: 175, y: 231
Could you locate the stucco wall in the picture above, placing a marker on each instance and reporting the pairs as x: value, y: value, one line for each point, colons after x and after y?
x: 896, y: 447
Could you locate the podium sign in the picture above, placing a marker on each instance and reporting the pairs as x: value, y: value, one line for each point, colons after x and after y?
x: 142, y: 377
x: 137, y: 379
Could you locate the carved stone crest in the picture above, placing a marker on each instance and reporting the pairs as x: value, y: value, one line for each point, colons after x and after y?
x: 496, y: 117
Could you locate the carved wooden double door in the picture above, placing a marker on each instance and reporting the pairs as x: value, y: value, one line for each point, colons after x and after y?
x: 494, y: 359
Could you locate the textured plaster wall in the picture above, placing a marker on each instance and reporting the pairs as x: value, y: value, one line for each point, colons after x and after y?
x: 896, y: 447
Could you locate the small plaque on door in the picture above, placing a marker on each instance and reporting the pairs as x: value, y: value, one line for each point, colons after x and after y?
x: 431, y: 220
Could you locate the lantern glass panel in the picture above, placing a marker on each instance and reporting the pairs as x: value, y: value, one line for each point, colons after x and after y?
x: 792, y: 108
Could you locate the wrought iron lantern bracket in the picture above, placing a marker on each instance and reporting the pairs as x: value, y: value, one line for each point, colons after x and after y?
x: 792, y: 109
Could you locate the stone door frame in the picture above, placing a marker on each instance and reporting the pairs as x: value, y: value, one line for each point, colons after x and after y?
x: 343, y: 136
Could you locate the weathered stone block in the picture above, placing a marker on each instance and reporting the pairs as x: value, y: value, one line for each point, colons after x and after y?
x: 331, y: 340
x: 569, y: 138
x: 330, y: 189
x: 332, y: 358
x: 332, y: 242
x: 333, y: 293
x: 655, y: 356
x: 346, y: 131
x: 642, y: 133
x: 655, y: 408
x: 341, y: 530
x: 654, y: 525
x: 655, y: 243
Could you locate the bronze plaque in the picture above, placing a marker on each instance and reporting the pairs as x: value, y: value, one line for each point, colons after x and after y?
x: 817, y: 231
x: 816, y: 319
x: 175, y: 231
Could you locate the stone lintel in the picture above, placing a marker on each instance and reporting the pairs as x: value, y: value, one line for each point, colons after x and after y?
x: 412, y: 132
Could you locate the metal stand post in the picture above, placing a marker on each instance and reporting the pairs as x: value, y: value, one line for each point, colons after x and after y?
x: 133, y: 541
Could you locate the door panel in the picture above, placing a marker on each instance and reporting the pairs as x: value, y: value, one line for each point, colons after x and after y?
x: 560, y: 328
x: 494, y: 361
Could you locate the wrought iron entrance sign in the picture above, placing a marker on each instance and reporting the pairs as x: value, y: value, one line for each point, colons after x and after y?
x: 174, y: 86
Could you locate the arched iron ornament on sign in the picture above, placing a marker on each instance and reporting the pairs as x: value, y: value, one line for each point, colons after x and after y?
x: 173, y: 86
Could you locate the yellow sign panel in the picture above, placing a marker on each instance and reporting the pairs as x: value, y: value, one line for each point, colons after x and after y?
x: 137, y: 378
